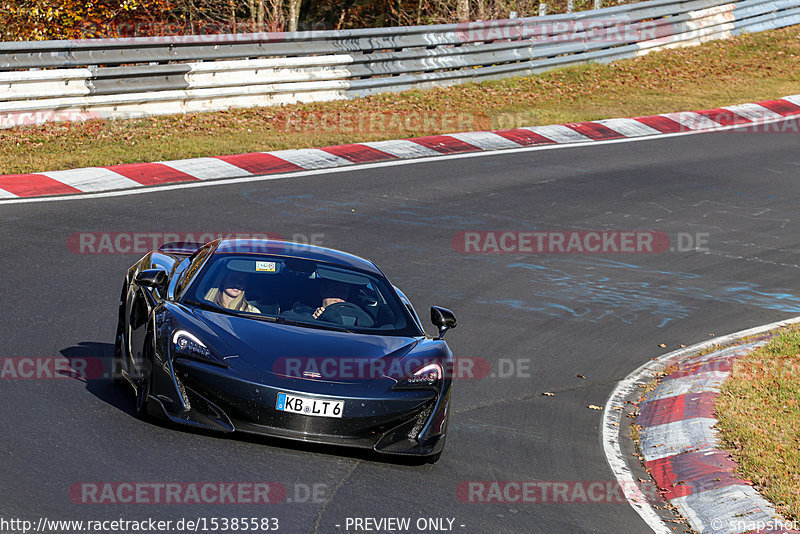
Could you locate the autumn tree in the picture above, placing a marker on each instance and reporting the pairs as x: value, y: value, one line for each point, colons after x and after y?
x: 76, y: 19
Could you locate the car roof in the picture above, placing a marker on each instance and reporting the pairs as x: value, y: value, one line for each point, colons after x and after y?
x: 295, y: 250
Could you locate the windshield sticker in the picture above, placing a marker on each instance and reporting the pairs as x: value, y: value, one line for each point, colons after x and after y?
x: 265, y: 266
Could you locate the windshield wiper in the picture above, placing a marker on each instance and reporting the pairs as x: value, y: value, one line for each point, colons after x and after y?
x: 235, y: 313
x: 268, y: 318
x: 321, y: 326
x: 206, y: 306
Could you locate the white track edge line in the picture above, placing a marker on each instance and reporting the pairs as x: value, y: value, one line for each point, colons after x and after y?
x: 610, y: 433
x: 389, y: 163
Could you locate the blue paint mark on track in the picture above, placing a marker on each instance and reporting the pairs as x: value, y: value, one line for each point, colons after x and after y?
x: 667, y: 296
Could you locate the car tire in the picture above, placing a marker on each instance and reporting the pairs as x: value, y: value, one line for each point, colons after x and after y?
x: 143, y: 385
x: 116, y: 361
x: 119, y: 340
x: 142, y: 396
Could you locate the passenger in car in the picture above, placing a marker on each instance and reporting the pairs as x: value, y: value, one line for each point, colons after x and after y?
x: 231, y: 293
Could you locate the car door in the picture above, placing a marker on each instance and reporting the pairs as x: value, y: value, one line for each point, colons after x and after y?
x: 141, y: 302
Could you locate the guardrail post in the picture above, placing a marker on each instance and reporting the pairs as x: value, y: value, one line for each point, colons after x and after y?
x: 542, y: 9
x: 570, y: 6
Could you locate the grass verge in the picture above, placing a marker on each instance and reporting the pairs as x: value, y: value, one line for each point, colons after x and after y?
x: 759, y: 417
x: 744, y: 69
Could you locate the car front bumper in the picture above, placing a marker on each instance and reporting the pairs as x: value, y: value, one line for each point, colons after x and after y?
x: 399, y: 422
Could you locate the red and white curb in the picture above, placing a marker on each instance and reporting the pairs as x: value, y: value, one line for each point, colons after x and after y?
x: 679, y: 442
x: 138, y: 175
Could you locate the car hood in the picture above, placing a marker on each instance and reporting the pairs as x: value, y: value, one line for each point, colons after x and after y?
x: 287, y: 350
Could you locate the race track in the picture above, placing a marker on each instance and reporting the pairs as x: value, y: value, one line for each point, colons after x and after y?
x: 555, y: 316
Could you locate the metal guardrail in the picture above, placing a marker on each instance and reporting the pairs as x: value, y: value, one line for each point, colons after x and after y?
x: 74, y: 80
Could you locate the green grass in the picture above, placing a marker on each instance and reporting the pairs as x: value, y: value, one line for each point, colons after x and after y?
x: 744, y: 69
x: 759, y: 419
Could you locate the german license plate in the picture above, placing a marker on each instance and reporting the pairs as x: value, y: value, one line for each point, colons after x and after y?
x: 309, y: 406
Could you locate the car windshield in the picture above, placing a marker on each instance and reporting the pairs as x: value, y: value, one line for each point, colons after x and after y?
x: 300, y: 291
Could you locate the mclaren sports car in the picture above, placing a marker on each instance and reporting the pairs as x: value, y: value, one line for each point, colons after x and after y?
x: 282, y: 339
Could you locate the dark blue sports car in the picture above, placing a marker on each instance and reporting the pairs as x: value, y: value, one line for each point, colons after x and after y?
x: 282, y: 339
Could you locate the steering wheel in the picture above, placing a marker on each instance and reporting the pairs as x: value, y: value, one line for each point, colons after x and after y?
x: 334, y: 313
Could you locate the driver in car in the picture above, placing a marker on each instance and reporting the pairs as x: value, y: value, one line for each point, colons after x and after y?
x: 335, y: 307
x: 336, y: 291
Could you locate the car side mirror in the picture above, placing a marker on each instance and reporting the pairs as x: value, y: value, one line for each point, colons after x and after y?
x: 154, y: 278
x: 443, y: 319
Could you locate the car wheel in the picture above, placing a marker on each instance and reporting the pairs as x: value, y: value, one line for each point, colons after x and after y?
x: 119, y: 341
x: 116, y: 361
x: 142, y: 394
x: 143, y: 385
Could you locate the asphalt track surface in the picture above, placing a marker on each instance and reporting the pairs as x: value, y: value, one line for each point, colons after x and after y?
x: 595, y: 315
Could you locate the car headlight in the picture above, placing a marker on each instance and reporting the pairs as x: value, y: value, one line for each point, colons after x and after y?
x: 426, y: 376
x: 187, y: 345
